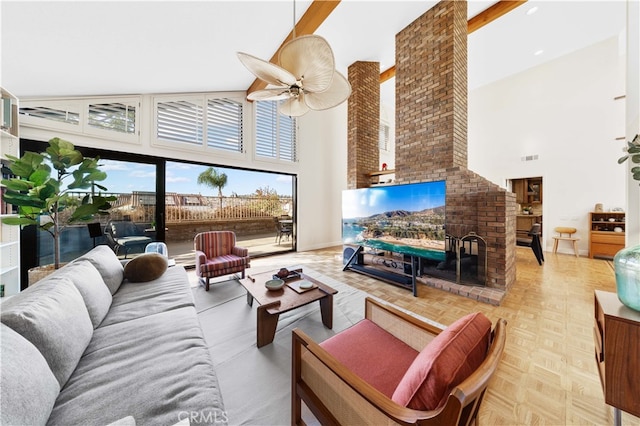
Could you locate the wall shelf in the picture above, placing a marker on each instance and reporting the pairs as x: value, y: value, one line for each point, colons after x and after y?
x: 377, y: 177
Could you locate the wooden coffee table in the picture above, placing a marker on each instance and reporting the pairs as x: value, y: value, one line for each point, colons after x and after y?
x: 273, y: 303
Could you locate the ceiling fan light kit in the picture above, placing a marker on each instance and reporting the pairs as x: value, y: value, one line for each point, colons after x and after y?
x: 306, y: 78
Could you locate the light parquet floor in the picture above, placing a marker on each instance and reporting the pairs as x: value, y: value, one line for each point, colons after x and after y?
x: 548, y: 374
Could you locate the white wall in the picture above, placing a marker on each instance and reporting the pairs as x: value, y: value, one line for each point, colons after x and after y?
x: 322, y: 177
x: 564, y: 112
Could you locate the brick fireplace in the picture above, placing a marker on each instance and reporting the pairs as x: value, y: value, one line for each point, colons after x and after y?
x: 431, y: 132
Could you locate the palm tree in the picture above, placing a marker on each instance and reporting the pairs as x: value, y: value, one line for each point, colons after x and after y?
x: 214, y: 179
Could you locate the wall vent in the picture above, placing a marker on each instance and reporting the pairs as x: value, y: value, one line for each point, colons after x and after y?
x: 529, y: 157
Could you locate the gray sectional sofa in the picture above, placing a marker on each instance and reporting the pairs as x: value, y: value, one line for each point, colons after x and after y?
x: 86, y: 347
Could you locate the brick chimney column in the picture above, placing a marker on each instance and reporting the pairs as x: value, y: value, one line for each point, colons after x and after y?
x: 431, y: 134
x: 363, y: 122
x: 431, y: 92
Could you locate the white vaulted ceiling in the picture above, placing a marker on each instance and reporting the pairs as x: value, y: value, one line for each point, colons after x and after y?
x: 55, y: 48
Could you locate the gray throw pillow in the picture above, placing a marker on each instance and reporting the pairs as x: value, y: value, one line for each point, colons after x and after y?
x: 107, y: 263
x: 28, y: 388
x: 146, y: 267
x: 94, y: 291
x: 51, y: 315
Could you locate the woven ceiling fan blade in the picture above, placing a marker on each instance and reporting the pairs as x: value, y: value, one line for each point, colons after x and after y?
x: 339, y: 92
x: 294, y: 107
x: 310, y: 59
x: 266, y: 71
x: 275, y: 94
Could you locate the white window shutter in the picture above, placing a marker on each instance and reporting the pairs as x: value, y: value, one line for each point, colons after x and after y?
x: 224, y: 124
x: 115, y: 116
x: 275, y: 133
x: 180, y: 121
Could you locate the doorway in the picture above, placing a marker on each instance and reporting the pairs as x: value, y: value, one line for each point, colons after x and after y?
x: 529, y: 204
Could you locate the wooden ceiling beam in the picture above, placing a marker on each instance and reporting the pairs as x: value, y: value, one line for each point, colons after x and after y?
x: 492, y: 13
x: 480, y: 20
x: 315, y: 15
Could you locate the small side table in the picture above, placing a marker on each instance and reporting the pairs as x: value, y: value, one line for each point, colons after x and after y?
x: 617, y: 345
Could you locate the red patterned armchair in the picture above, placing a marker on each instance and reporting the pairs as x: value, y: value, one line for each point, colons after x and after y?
x: 217, y: 255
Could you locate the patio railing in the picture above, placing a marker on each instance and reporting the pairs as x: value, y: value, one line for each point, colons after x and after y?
x: 140, y: 207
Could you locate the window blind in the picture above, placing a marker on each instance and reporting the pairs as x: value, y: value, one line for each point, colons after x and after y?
x: 224, y: 124
x: 117, y: 117
x: 275, y: 133
x: 180, y: 121
x: 53, y: 114
x: 384, y: 137
x: 266, y: 129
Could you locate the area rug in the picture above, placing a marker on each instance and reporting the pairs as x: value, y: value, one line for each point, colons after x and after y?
x: 256, y: 383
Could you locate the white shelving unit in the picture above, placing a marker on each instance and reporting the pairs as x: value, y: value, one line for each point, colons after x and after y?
x: 9, y: 235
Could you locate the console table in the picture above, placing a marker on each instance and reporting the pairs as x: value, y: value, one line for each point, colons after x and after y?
x: 617, y: 347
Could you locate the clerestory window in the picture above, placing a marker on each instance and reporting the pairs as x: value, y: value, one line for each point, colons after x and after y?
x: 276, y: 134
x: 210, y: 122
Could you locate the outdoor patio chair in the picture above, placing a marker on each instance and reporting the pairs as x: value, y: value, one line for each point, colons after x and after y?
x: 395, y: 368
x: 124, y: 235
x: 217, y: 255
x: 284, y: 227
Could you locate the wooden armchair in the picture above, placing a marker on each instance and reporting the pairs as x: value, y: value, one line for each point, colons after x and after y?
x: 218, y: 255
x: 336, y: 395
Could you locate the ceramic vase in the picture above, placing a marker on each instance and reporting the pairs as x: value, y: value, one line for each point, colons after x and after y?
x: 627, y: 266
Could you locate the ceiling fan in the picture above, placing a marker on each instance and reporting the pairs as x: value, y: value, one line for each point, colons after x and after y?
x: 306, y: 78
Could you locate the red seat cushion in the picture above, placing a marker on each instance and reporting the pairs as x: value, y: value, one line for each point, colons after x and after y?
x: 445, y: 363
x: 376, y: 356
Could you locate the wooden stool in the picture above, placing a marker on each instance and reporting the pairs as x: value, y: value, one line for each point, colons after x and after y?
x: 565, y: 234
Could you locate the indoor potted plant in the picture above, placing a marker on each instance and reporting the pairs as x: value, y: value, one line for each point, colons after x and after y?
x: 43, y: 196
x: 627, y: 261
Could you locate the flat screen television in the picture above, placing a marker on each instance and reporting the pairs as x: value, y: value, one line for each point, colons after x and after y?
x: 406, y: 219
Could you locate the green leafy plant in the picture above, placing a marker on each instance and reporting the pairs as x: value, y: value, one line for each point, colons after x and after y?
x: 633, y: 152
x: 213, y: 179
x: 43, y: 196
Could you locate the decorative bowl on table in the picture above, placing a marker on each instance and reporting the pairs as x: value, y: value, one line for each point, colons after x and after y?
x: 283, y: 273
x: 274, y: 284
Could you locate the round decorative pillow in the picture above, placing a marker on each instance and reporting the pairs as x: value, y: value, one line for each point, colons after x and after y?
x: 146, y: 267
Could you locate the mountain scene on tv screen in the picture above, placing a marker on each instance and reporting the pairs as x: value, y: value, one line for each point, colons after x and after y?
x: 421, y: 232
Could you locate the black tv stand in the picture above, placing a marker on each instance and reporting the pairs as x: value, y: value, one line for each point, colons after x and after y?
x: 404, y: 281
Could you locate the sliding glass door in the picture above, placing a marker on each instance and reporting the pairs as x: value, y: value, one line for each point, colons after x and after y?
x: 169, y: 201
x: 132, y: 180
x: 201, y: 197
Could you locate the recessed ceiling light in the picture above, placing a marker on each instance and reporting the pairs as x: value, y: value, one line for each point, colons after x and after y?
x: 539, y: 52
x: 533, y: 10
